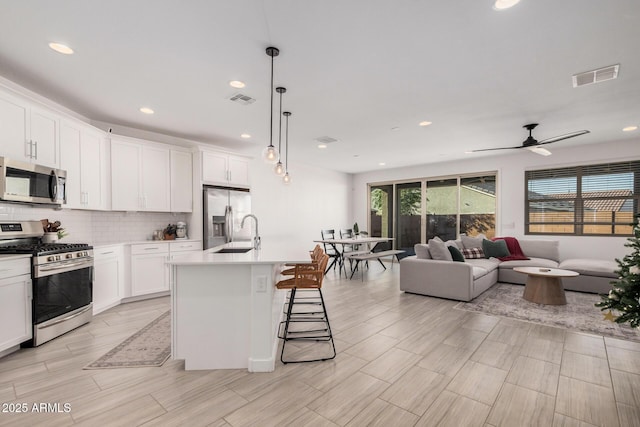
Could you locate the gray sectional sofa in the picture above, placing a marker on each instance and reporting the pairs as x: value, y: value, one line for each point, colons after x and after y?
x: 463, y: 281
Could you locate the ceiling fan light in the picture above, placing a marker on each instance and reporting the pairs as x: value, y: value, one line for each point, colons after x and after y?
x: 505, y: 4
x: 629, y: 128
x: 539, y: 150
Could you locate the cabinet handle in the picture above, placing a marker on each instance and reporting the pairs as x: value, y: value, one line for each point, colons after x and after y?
x: 151, y: 249
x: 105, y: 253
x: 35, y: 143
x: 27, y: 148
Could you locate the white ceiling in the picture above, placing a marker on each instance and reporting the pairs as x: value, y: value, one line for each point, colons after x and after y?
x: 354, y: 70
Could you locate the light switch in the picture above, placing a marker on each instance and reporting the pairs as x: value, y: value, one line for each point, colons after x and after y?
x: 261, y: 284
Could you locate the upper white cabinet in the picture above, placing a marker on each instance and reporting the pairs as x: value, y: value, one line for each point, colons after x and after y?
x: 140, y: 177
x: 82, y: 156
x: 181, y: 181
x: 27, y: 132
x: 225, y: 169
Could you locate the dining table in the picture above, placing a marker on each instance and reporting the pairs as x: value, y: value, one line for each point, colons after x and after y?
x: 342, y: 243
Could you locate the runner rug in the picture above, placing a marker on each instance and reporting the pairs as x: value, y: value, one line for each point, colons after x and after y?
x: 150, y: 346
x: 579, y: 314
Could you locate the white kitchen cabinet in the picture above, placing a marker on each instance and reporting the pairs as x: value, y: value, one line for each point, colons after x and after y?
x: 225, y: 169
x: 15, y: 302
x: 181, y: 181
x: 81, y: 155
x: 140, y: 177
x: 27, y: 132
x: 108, y: 280
x: 149, y: 272
x: 179, y: 249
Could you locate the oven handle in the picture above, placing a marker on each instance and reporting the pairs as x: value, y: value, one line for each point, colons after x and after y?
x: 66, y: 265
x: 67, y: 318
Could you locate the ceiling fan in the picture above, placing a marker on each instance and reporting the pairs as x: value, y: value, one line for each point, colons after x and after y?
x: 534, y: 145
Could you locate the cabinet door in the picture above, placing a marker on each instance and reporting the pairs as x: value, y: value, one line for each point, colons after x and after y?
x: 70, y: 161
x: 44, y: 137
x: 106, y: 283
x: 15, y: 311
x: 149, y: 274
x: 125, y: 176
x: 14, y: 141
x: 156, y: 179
x: 214, y: 168
x: 239, y: 171
x: 181, y: 182
x: 91, y: 166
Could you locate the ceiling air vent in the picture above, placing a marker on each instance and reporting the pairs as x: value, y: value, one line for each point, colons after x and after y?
x: 596, y: 76
x: 326, y: 140
x: 242, y: 99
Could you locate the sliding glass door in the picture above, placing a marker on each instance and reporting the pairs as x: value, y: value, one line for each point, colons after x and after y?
x: 478, y: 205
x: 381, y: 215
x: 409, y: 214
x: 442, y: 209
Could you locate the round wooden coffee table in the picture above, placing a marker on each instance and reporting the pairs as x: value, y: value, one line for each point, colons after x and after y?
x: 544, y: 285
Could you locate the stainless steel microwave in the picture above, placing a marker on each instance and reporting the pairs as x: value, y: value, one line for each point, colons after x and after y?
x: 29, y: 183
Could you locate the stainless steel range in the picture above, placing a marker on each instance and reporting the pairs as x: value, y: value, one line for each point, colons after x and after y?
x: 62, y: 277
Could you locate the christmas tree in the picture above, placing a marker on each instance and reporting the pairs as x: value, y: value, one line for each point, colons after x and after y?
x: 624, y: 298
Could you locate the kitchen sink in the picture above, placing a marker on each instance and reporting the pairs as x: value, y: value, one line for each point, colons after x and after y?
x: 233, y: 251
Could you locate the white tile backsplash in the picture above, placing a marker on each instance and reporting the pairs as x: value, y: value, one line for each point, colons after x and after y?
x: 95, y: 227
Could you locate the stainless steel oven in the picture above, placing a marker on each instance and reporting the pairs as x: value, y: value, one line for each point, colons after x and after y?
x: 62, y: 293
x: 29, y: 183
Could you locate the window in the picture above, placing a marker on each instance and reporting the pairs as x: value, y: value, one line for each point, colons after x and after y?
x: 583, y: 200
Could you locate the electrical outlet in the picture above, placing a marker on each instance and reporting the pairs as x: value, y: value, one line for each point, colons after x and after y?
x: 261, y: 284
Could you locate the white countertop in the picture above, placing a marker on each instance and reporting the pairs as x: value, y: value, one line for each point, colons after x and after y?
x: 269, y: 253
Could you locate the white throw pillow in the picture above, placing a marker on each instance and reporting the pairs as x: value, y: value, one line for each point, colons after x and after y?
x: 422, y: 251
x: 472, y: 242
x: 439, y: 251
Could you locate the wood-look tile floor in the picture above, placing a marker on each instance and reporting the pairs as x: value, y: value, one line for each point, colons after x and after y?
x: 403, y: 360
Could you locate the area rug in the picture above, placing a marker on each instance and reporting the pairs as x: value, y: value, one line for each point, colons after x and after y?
x: 579, y: 314
x: 150, y: 346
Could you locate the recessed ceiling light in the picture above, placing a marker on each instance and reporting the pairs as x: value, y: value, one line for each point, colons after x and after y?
x: 629, y: 128
x: 425, y: 123
x: 245, y: 135
x: 381, y: 163
x: 505, y: 4
x: 322, y: 145
x: 237, y: 84
x: 146, y: 110
x: 61, y: 48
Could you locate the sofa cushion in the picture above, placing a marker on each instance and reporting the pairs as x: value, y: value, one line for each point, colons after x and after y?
x: 487, y: 264
x: 455, y: 253
x: 591, y: 267
x: 531, y: 262
x: 457, y: 243
x: 479, y: 272
x: 439, y: 251
x: 472, y: 242
x: 548, y: 249
x: 473, y: 253
x: 495, y: 249
x: 422, y: 251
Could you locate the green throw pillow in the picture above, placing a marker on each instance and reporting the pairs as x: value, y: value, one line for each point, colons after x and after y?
x: 495, y: 249
x: 456, y: 254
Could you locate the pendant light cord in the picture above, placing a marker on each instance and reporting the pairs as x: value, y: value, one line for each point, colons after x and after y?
x: 271, y: 116
x: 280, y: 128
x: 286, y: 158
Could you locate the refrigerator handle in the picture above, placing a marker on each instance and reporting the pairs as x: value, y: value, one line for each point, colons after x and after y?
x: 228, y: 223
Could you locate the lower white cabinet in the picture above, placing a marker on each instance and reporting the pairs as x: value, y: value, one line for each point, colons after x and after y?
x: 108, y: 280
x: 149, y: 272
x: 180, y: 249
x: 15, y: 302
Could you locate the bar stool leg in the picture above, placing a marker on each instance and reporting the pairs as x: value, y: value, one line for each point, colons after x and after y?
x: 286, y: 325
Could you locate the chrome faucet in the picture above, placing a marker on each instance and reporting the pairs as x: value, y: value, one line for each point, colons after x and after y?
x: 256, y: 239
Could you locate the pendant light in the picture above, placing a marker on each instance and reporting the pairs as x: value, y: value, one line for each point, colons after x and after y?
x: 286, y: 178
x: 270, y: 154
x: 279, y: 169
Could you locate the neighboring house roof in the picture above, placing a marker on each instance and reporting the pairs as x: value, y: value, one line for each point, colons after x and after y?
x: 602, y: 201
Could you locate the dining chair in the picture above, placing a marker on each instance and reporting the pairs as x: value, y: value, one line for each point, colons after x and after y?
x: 331, y: 249
x: 306, y: 279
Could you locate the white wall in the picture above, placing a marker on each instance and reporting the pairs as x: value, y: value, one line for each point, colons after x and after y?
x: 511, y: 169
x: 315, y: 199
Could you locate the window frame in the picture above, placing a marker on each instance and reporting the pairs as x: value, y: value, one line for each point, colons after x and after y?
x: 579, y: 212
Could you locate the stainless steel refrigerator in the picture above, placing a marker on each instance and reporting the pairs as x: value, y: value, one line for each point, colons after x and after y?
x: 223, y: 210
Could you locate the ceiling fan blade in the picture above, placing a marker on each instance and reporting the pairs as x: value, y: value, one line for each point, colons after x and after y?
x: 562, y: 137
x: 493, y: 149
x: 539, y: 150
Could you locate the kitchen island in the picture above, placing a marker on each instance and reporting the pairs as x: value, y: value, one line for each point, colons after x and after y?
x: 225, y: 307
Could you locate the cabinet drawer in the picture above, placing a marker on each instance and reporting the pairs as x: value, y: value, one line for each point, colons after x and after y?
x: 185, y: 246
x: 150, y: 248
x: 15, y: 267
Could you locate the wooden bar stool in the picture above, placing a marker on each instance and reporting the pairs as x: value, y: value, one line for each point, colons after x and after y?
x: 306, y: 279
